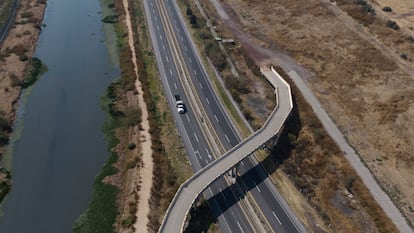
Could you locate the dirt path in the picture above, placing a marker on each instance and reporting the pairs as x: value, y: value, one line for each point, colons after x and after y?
x: 146, y: 171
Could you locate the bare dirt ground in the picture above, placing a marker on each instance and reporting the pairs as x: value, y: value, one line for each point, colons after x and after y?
x: 15, y: 53
x: 358, y: 76
x: 21, y: 40
x: 146, y: 171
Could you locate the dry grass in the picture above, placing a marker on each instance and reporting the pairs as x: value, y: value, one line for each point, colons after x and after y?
x: 313, y: 162
x: 359, y: 78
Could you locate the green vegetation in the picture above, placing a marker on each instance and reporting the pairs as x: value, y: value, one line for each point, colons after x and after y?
x: 132, y: 146
x: 102, y: 209
x: 5, y: 183
x: 26, y: 14
x: 110, y: 19
x: 387, y: 9
x: 5, y: 178
x: 392, y: 24
x: 36, y: 69
x: 5, y: 128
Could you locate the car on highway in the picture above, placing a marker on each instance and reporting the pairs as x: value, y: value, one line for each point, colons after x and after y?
x: 179, y: 104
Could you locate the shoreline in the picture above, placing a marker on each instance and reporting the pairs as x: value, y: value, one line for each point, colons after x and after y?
x: 16, y: 53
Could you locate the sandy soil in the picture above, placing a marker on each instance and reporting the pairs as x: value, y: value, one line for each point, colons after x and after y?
x: 402, y: 12
x: 21, y: 39
x: 368, y: 93
x: 24, y: 33
x: 146, y: 171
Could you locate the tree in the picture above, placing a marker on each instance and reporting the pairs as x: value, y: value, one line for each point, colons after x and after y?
x: 189, y: 12
x: 193, y: 20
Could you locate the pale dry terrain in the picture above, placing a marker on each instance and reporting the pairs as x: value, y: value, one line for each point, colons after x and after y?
x: 21, y: 40
x: 358, y: 76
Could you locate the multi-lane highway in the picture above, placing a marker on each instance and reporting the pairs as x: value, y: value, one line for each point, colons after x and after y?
x: 253, y: 176
x: 232, y: 219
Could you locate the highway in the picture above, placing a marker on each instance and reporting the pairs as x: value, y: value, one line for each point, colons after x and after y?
x: 190, y: 189
x: 253, y: 177
x: 231, y: 219
x: 5, y: 28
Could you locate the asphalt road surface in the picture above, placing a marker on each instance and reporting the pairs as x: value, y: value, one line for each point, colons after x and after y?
x: 253, y: 177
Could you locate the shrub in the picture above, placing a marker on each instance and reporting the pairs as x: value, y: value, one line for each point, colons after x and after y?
x: 23, y: 57
x: 132, y: 146
x: 193, y: 20
x: 214, y: 53
x: 360, y: 2
x: 26, y: 14
x: 4, y: 124
x: 410, y: 39
x: 110, y: 19
x: 188, y: 12
x: 392, y: 24
x: 404, y: 56
x: 111, y: 5
x: 386, y: 9
x: 19, y: 50
x: 133, y: 116
x: 14, y: 80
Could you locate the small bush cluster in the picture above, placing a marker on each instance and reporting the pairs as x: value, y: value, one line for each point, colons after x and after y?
x: 386, y: 9
x: 365, y: 6
x: 392, y: 24
x: 26, y: 14
x: 110, y: 19
x: 192, y: 17
x: 36, y: 69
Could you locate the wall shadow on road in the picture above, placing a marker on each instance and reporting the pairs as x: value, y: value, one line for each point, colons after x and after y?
x: 222, y: 201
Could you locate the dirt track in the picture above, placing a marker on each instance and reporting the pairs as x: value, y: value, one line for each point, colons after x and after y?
x: 146, y: 171
x: 366, y: 89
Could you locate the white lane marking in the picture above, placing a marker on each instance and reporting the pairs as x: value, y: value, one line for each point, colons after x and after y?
x: 195, y: 72
x: 224, y: 196
x: 191, y: 60
x: 171, y: 71
x: 238, y: 224
x: 198, y: 153
x: 200, y: 85
x: 156, y: 19
x: 195, y: 136
x: 215, y: 116
x: 225, y: 135
x: 188, y: 118
x: 153, y: 11
x: 163, y: 46
x: 158, y: 27
x: 208, y: 154
x: 276, y: 217
x: 160, y: 36
x: 167, y: 59
x: 182, y: 38
x: 185, y: 47
x: 207, y: 162
x: 208, y: 102
x: 257, y: 186
x: 242, y: 163
x: 175, y: 85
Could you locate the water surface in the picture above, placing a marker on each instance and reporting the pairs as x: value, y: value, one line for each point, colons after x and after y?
x: 61, y: 146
